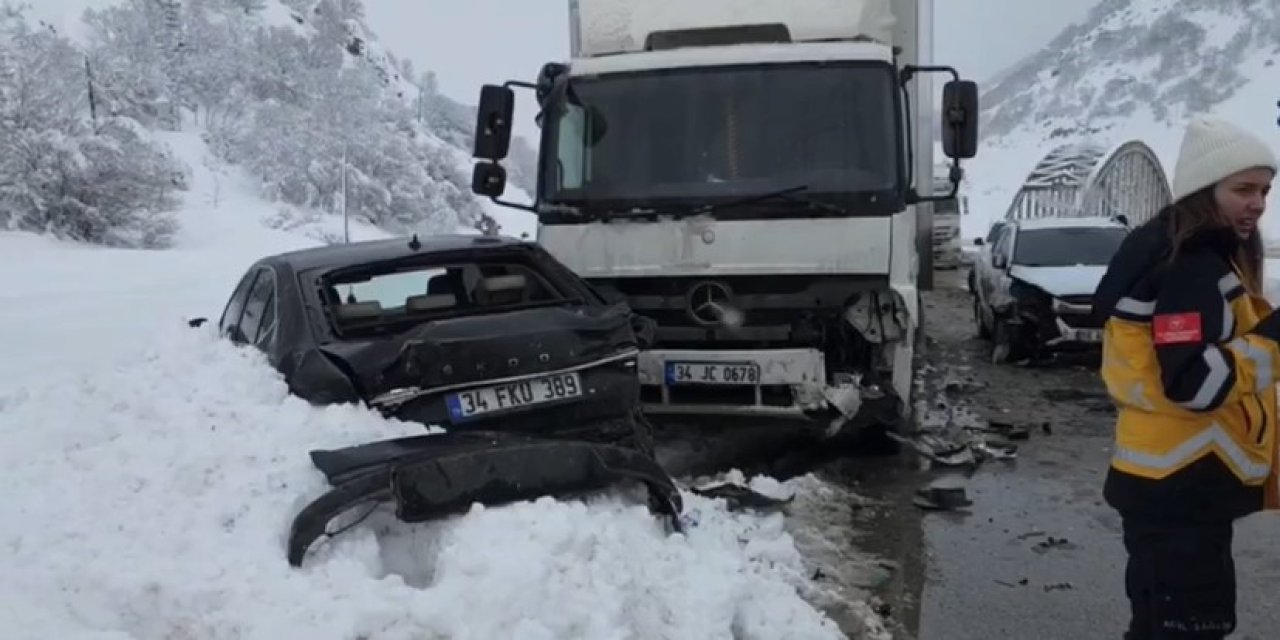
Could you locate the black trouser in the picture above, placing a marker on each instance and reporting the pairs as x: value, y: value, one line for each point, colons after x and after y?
x: 1181, y: 580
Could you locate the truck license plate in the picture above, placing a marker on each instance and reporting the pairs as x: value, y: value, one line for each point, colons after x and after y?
x: 733, y: 373
x: 513, y: 395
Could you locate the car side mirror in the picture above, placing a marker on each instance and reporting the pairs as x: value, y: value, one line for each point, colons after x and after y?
x: 960, y: 119
x: 978, y: 242
x: 493, y: 122
x: 196, y: 322
x: 488, y: 179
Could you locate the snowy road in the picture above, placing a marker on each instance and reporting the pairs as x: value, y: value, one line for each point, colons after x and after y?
x: 994, y: 572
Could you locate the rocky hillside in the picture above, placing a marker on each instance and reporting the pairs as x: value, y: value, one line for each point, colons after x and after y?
x: 1133, y: 69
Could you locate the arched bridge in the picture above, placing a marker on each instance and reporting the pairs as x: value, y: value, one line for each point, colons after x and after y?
x: 1089, y: 180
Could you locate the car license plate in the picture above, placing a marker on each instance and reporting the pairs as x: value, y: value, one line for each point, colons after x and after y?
x: 730, y: 373
x: 513, y: 396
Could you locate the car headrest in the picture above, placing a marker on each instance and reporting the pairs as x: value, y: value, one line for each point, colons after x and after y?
x: 430, y: 302
x: 502, y: 283
x: 358, y: 310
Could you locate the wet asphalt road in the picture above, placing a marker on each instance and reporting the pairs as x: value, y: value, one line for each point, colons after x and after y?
x: 991, y: 571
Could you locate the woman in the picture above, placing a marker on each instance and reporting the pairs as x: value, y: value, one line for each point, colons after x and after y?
x: 1191, y: 357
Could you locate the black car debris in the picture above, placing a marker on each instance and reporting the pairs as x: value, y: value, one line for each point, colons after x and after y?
x: 529, y: 371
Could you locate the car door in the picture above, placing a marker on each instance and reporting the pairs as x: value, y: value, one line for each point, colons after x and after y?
x: 235, y: 305
x: 258, y: 320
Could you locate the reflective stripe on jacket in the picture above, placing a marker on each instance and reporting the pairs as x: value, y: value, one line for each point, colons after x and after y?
x: 1190, y: 360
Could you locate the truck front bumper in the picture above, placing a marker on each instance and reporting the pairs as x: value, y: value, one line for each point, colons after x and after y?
x: 754, y: 383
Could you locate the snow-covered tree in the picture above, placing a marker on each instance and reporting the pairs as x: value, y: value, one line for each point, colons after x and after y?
x: 62, y: 173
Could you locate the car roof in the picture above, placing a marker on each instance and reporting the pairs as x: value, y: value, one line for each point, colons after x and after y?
x: 354, y: 253
x: 1068, y: 223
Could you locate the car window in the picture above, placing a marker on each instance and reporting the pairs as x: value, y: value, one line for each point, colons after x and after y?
x: 255, y: 307
x: 1004, y: 242
x: 266, y: 337
x: 392, y: 289
x: 235, y: 305
x: 388, y: 301
x: 465, y: 283
x: 1068, y: 246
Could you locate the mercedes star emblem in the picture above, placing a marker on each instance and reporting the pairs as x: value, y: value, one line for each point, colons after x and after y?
x: 708, y: 302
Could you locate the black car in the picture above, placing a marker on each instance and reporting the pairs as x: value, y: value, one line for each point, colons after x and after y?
x: 531, y: 373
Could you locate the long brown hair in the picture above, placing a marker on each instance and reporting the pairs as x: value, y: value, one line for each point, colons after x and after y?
x: 1198, y: 214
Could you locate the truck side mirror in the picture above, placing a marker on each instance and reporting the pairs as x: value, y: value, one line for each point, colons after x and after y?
x: 978, y: 242
x: 960, y: 119
x: 488, y: 179
x: 493, y: 122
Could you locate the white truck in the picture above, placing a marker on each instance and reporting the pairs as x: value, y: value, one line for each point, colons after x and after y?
x: 754, y: 178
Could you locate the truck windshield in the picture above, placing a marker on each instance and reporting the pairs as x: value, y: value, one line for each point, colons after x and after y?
x: 1067, y: 246
x: 704, y: 135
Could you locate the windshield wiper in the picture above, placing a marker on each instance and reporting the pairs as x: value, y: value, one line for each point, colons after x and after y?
x: 787, y: 194
x: 784, y: 194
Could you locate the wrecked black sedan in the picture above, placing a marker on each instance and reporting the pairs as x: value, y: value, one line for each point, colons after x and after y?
x: 530, y: 372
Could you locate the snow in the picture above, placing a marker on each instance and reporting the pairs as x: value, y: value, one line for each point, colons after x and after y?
x: 153, y: 469
x: 276, y: 14
x: 1003, y: 162
x: 176, y: 472
x: 736, y: 54
x: 610, y: 26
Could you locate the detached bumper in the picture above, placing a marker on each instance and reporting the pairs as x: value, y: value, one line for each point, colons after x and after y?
x: 436, y: 476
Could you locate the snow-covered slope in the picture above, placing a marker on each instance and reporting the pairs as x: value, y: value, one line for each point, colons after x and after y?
x: 152, y: 470
x: 1132, y: 69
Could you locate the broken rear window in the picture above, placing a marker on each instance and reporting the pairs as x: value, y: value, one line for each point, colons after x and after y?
x: 388, y: 298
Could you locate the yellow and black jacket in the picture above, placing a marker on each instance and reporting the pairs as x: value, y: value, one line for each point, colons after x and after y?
x: 1191, y: 360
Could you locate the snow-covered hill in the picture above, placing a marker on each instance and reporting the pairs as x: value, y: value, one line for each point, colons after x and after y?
x: 300, y: 93
x: 1131, y: 69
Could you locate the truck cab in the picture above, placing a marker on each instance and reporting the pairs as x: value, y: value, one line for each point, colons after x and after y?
x: 756, y: 181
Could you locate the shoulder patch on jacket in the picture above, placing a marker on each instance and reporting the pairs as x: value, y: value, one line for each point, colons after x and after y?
x: 1177, y: 328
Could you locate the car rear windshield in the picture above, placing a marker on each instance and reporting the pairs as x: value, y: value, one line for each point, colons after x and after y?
x: 393, y: 299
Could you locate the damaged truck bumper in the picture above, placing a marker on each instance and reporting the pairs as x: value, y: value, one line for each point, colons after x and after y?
x: 435, y: 476
x: 788, y: 384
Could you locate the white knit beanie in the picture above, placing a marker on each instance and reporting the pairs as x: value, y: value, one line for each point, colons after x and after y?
x: 1213, y: 149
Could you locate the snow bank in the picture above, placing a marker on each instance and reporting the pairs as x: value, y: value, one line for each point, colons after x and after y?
x: 151, y: 499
